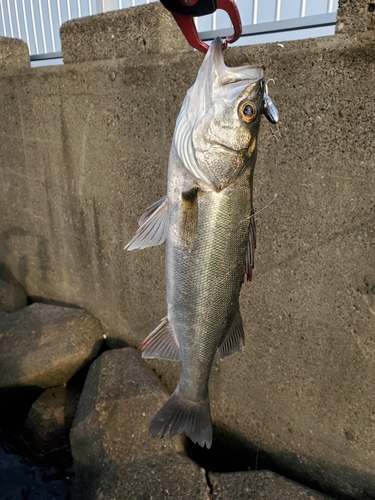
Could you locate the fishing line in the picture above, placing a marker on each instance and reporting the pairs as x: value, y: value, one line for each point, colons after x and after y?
x: 261, y: 210
x: 275, y: 132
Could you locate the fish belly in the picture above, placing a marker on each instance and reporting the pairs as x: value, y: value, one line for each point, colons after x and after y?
x: 204, y: 276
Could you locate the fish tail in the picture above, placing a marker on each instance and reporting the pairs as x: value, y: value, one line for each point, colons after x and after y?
x: 179, y: 415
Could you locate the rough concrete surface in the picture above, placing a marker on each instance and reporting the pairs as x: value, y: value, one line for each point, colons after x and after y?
x: 44, y: 346
x: 144, y: 31
x: 355, y: 16
x: 86, y: 152
x: 12, y: 295
x: 14, y: 53
x: 113, y: 455
x: 260, y: 485
x: 50, y: 419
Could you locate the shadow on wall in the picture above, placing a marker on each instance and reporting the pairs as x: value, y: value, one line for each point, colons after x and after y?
x: 231, y: 453
x: 21, y: 266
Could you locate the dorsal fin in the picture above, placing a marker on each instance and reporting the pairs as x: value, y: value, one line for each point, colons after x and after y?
x: 234, y: 339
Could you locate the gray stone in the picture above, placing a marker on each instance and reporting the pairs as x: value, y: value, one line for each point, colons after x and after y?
x: 50, y: 419
x: 14, y: 53
x: 87, y: 150
x: 260, y: 485
x: 113, y: 455
x: 12, y: 295
x: 355, y: 16
x: 44, y: 346
x: 144, y: 31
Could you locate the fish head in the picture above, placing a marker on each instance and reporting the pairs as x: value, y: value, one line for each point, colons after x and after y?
x: 216, y: 131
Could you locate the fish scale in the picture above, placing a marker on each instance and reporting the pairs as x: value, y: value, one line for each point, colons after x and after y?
x: 210, y: 233
x: 214, y: 288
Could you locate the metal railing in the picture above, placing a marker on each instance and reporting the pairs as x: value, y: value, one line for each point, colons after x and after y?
x: 38, y: 22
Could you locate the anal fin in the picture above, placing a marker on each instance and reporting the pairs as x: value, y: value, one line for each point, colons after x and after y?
x: 161, y: 343
x: 234, y: 339
x: 153, y: 226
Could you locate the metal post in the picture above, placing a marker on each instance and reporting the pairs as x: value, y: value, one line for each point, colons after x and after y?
x: 42, y: 27
x: 2, y: 17
x: 25, y: 21
x: 17, y: 19
x: 51, y: 26
x: 34, y: 29
x: 255, y: 12
x: 303, y: 8
x: 59, y: 13
x: 214, y: 21
x: 10, y: 20
x: 278, y: 10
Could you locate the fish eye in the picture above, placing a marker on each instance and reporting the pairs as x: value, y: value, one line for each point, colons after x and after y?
x: 247, y: 111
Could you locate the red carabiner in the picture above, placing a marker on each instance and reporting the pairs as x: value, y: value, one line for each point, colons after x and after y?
x: 188, y: 28
x: 231, y: 9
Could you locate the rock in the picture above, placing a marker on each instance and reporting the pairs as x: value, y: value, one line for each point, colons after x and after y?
x: 44, y: 346
x: 355, y: 16
x: 260, y: 485
x: 149, y: 30
x: 113, y: 455
x: 12, y: 295
x: 14, y: 53
x: 50, y: 419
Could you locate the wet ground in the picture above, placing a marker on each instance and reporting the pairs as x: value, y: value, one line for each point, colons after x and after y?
x: 25, y: 476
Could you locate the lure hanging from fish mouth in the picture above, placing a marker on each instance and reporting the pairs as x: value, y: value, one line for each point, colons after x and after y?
x: 210, y: 237
x: 269, y: 109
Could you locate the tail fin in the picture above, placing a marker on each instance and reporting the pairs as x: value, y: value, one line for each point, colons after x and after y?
x: 179, y: 415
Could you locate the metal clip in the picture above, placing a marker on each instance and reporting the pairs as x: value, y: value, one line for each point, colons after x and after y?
x: 184, y: 10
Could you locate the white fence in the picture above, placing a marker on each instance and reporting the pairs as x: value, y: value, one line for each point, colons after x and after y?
x: 37, y: 22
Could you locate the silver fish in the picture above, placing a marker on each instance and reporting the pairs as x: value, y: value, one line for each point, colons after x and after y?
x: 206, y: 221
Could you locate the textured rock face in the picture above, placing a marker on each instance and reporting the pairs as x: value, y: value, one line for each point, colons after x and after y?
x: 12, y: 295
x: 14, y: 54
x: 262, y: 485
x: 44, y: 346
x: 354, y: 16
x: 50, y: 419
x: 113, y: 455
x: 145, y: 31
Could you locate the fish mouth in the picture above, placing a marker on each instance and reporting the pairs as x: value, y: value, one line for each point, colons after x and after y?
x: 215, y: 82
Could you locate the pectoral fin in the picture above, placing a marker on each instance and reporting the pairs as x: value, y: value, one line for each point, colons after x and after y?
x: 161, y: 343
x: 249, y: 257
x: 189, y: 216
x: 153, y: 226
x: 234, y: 340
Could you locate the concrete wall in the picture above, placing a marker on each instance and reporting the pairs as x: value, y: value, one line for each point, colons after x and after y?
x: 84, y: 149
x: 14, y: 53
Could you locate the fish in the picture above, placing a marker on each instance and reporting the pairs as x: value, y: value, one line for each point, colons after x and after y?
x: 206, y: 219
